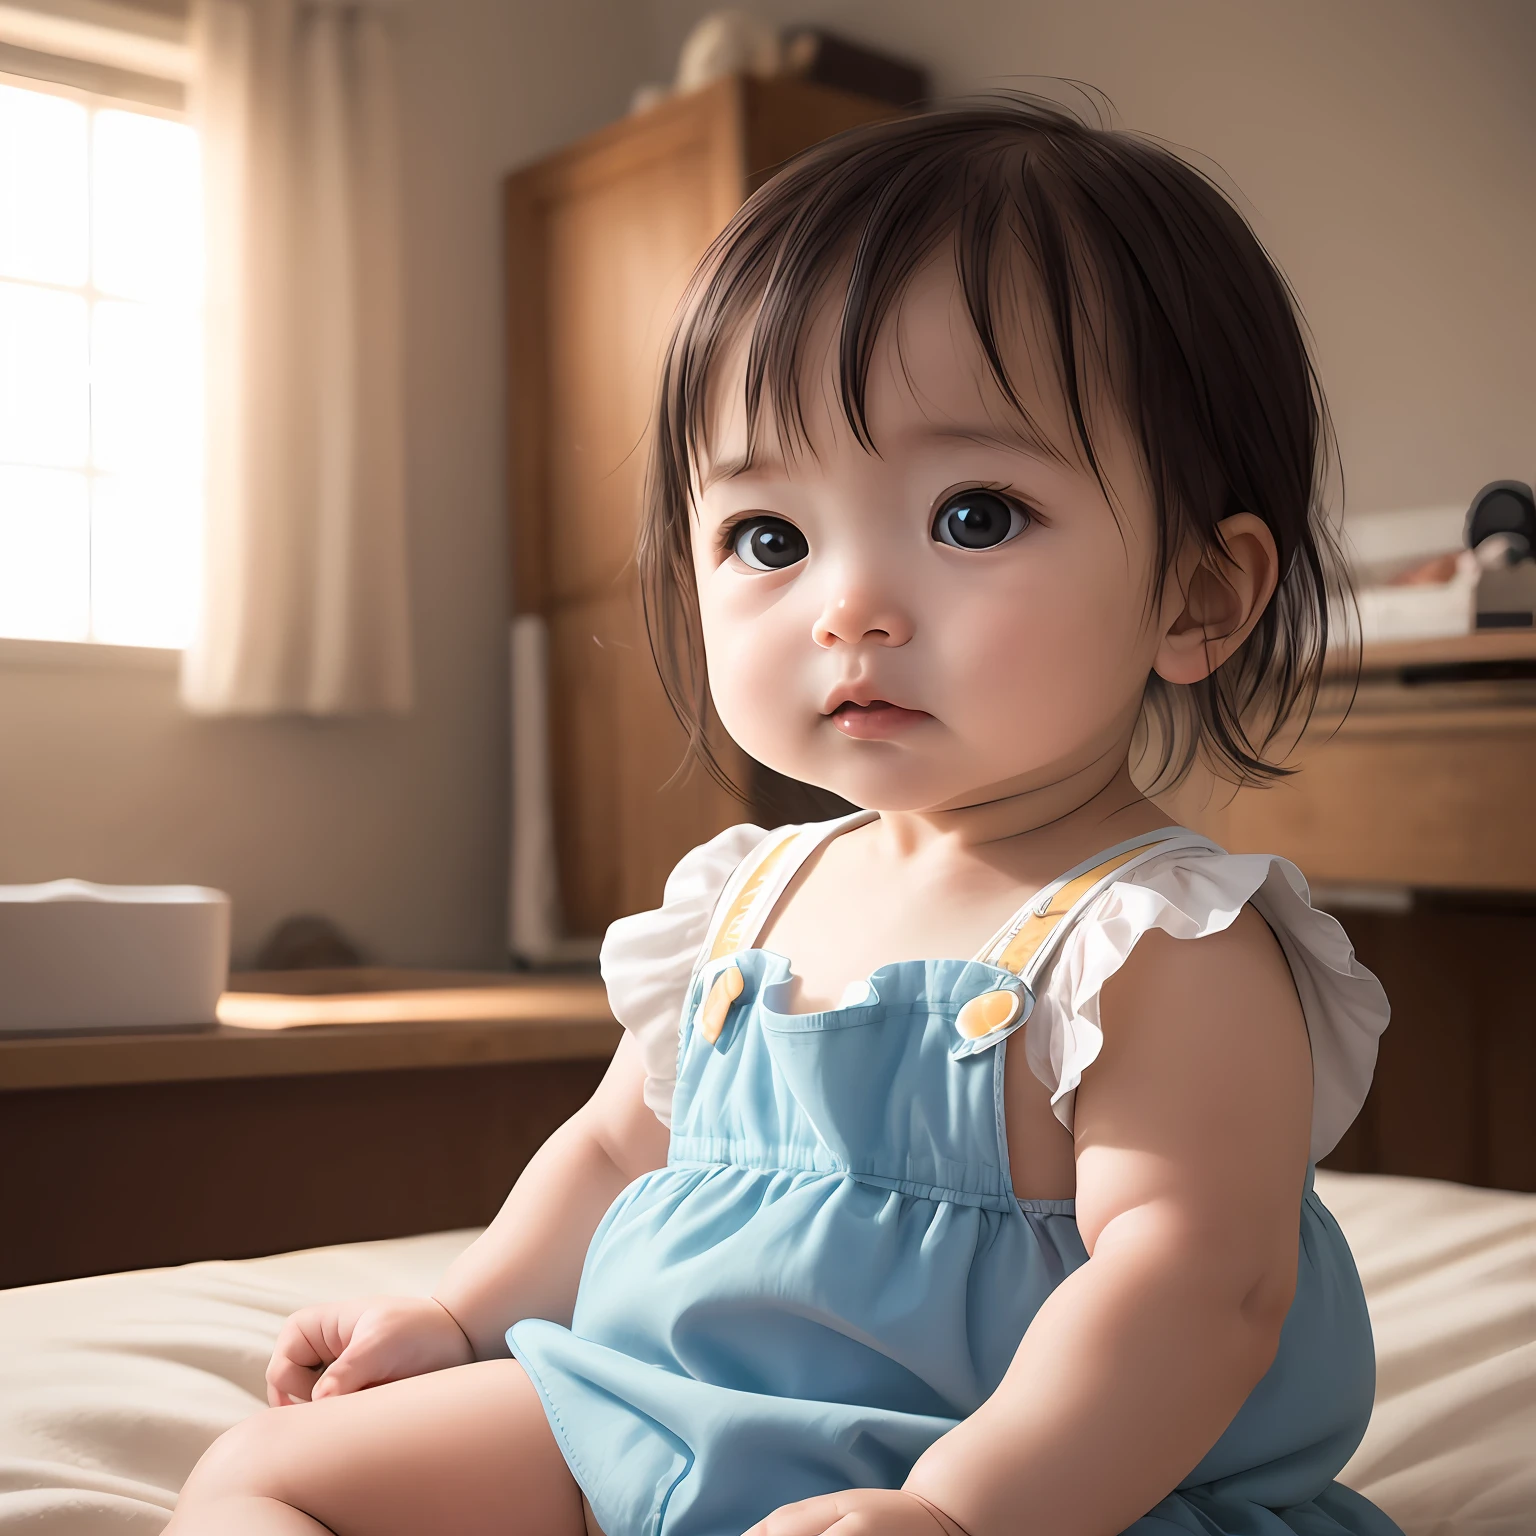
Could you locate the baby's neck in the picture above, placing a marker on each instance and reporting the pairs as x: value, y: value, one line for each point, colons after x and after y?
x: 1036, y: 824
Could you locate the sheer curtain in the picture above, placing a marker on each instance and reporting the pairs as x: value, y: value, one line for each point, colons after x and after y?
x: 305, y: 595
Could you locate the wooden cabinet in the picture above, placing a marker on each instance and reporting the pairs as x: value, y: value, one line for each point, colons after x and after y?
x: 408, y: 1103
x: 600, y: 240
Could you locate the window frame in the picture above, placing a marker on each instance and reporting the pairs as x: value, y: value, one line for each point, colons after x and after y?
x: 32, y: 651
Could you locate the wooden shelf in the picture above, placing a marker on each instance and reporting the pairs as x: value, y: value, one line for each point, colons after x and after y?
x: 1376, y: 718
x: 1483, y: 645
x: 338, y: 1021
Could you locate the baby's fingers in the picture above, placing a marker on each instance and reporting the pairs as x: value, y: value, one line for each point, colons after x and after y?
x: 289, y: 1382
x: 307, y: 1343
x: 810, y: 1517
x: 858, y: 1512
x: 363, y: 1363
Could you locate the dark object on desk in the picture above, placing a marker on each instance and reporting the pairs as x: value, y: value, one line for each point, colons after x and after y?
x: 827, y: 59
x: 307, y: 943
x: 1504, y: 506
x: 1501, y: 533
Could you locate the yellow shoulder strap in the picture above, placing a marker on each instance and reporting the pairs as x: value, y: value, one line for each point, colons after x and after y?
x: 1057, y: 906
x: 733, y: 926
x: 1042, y: 922
x: 779, y: 858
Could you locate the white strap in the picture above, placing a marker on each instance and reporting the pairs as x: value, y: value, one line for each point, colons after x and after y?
x: 1025, y: 944
x: 1031, y: 938
x: 754, y: 890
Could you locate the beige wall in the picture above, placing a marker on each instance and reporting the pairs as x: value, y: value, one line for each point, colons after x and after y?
x: 1385, y: 149
x: 397, y: 830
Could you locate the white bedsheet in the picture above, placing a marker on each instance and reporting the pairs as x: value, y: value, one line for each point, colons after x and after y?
x: 110, y: 1388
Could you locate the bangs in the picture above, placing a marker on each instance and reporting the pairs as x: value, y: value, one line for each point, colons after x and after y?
x: 847, y: 253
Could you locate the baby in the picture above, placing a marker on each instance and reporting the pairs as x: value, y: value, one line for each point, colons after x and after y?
x: 954, y: 1175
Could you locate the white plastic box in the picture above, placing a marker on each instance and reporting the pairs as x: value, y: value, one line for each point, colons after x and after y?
x: 1428, y: 612
x: 77, y: 956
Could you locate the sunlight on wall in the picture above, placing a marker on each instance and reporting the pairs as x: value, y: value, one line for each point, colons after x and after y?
x: 100, y: 371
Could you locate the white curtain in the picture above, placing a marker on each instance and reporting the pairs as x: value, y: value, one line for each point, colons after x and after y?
x: 305, y: 595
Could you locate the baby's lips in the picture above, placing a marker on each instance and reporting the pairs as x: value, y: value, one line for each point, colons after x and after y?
x: 876, y: 721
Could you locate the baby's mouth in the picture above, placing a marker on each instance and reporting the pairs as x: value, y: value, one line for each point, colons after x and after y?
x: 879, y: 720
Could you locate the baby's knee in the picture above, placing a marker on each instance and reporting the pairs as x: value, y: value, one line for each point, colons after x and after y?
x: 245, y: 1460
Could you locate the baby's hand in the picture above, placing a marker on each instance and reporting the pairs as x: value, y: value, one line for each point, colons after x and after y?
x: 345, y: 1346
x: 859, y: 1512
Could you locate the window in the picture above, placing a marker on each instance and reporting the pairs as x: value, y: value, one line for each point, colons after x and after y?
x: 100, y: 369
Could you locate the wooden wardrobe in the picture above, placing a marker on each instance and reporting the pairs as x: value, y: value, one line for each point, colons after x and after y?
x: 600, y: 240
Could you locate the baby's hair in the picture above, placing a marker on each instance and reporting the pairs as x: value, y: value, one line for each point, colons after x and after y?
x: 1148, y: 282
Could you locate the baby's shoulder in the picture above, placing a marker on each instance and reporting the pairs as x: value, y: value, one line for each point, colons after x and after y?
x: 1257, y: 909
x: 1240, y: 960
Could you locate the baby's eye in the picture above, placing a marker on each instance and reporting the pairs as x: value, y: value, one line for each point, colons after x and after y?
x: 978, y: 519
x: 768, y: 544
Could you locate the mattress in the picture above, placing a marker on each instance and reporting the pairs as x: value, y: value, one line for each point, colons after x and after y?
x: 111, y: 1388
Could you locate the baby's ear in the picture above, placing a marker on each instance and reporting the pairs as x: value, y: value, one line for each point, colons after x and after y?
x: 1217, y: 598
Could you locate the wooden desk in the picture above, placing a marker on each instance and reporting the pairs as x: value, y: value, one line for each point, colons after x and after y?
x: 1426, y: 789
x: 1426, y: 783
x: 125, y: 1151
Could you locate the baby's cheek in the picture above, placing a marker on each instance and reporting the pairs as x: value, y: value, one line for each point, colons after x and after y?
x: 755, y: 685
x: 1051, y: 675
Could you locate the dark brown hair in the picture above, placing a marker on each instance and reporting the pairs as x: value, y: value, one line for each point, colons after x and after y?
x: 1148, y: 280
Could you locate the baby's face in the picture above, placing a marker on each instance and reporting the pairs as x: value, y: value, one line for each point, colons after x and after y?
x: 959, y: 615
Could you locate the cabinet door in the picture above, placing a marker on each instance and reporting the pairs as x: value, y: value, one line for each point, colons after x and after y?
x: 628, y: 802
x: 601, y: 241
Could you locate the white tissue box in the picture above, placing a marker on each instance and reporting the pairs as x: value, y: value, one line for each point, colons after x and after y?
x: 77, y: 956
x: 1433, y: 611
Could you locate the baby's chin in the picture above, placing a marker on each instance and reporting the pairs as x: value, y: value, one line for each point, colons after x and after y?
x: 877, y: 776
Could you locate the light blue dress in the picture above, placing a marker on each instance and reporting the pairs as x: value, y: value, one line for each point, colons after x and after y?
x: 833, y: 1270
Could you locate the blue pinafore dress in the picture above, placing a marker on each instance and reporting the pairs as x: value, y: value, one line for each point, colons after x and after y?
x: 833, y: 1269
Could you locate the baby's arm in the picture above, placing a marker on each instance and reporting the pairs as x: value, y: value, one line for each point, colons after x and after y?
x: 525, y: 1264
x: 1192, y: 1136
x: 528, y: 1261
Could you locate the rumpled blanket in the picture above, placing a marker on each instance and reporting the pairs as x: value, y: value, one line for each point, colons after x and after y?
x: 112, y: 1387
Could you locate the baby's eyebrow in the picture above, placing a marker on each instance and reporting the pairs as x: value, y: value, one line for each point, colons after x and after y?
x: 1019, y: 439
x: 734, y: 465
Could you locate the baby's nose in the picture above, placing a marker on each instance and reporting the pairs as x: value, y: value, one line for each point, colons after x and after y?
x: 853, y: 615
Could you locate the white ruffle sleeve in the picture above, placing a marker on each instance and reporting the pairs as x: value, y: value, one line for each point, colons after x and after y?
x: 646, y: 959
x: 1187, y: 895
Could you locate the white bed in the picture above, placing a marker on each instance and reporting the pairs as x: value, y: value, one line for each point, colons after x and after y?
x: 110, y: 1388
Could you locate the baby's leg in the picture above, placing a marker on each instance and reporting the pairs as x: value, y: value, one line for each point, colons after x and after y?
x: 467, y: 1450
